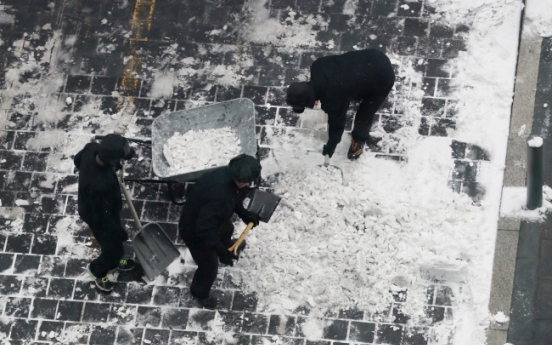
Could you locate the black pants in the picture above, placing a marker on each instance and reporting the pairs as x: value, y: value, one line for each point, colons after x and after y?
x: 207, y: 261
x: 365, y: 116
x: 112, y: 251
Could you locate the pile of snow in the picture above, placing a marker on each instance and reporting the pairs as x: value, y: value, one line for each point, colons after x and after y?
x: 330, y: 246
x: 538, y: 18
x: 514, y: 204
x: 485, y: 84
x: 201, y: 149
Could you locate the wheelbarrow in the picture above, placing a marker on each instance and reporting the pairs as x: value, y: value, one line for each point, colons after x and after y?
x: 238, y: 114
x: 262, y: 203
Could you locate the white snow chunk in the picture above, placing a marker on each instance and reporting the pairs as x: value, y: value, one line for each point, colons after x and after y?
x: 535, y: 142
x: 104, y: 21
x: 163, y: 84
x: 68, y: 101
x: 6, y: 18
x: 500, y: 317
x: 313, y: 328
x: 20, y: 202
x: 522, y: 130
x: 202, y: 149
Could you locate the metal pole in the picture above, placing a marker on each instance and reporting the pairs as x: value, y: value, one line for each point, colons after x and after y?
x: 535, y: 172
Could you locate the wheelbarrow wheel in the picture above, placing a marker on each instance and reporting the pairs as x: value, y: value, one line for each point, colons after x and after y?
x: 177, y: 192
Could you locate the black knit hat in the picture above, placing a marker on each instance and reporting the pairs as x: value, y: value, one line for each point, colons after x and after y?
x: 112, y: 148
x: 300, y: 96
x: 244, y: 168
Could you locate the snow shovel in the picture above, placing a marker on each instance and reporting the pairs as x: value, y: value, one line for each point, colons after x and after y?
x: 154, y: 250
x: 327, y: 164
x: 261, y: 203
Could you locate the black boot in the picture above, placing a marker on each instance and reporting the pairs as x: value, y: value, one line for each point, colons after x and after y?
x: 102, y: 283
x: 355, y: 150
x: 207, y: 303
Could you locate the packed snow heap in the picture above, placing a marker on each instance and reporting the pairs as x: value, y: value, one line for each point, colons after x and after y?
x: 201, y: 149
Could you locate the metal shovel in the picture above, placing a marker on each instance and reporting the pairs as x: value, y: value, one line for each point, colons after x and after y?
x: 327, y: 164
x: 153, y: 248
x: 261, y: 203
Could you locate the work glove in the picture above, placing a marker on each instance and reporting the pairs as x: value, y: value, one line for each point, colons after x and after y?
x: 130, y: 154
x: 328, y: 149
x: 124, y: 235
x: 251, y: 217
x: 226, y: 257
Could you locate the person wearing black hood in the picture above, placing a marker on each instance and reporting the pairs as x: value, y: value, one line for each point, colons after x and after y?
x: 100, y: 204
x: 205, y: 224
x: 364, y: 75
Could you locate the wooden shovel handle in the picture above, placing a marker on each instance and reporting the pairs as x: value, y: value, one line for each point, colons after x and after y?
x: 236, y: 245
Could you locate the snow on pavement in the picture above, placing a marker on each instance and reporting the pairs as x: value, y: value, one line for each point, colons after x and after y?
x: 331, y: 246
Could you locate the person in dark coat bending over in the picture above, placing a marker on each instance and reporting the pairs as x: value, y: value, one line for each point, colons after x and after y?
x: 100, y: 204
x: 364, y: 75
x: 205, y: 224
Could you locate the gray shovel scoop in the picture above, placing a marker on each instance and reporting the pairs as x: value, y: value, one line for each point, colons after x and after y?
x: 327, y: 165
x: 261, y: 203
x: 153, y: 248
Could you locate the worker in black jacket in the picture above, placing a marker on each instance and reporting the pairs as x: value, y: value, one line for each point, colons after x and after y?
x: 205, y: 223
x: 364, y: 75
x: 100, y: 204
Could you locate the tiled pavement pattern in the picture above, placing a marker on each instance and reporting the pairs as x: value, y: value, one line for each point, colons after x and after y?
x: 42, y: 279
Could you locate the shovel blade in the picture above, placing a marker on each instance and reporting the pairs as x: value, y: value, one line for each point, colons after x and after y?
x: 154, y: 250
x: 263, y: 204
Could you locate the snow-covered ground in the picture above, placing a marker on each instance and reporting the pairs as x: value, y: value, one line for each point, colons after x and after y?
x: 331, y: 246
x: 336, y: 243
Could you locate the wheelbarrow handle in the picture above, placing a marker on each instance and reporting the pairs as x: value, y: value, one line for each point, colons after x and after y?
x: 139, y: 141
x: 236, y: 245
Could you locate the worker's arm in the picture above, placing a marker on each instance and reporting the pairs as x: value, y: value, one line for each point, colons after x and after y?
x: 337, y: 116
x: 77, y: 159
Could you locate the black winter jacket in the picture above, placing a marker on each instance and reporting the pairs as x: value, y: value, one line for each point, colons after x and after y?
x: 100, y: 200
x: 356, y: 75
x: 209, y: 203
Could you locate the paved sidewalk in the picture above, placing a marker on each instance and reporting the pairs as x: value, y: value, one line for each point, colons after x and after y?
x: 522, y: 283
x: 106, y: 56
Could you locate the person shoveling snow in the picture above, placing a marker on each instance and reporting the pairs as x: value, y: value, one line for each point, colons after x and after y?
x: 205, y: 224
x: 365, y: 75
x: 100, y: 204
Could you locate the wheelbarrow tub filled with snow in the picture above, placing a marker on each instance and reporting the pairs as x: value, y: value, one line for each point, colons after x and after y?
x: 237, y: 116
